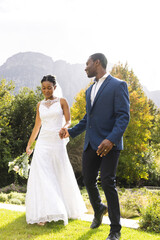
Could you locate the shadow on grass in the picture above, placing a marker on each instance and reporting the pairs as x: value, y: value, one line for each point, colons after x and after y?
x: 14, y: 226
x: 88, y: 234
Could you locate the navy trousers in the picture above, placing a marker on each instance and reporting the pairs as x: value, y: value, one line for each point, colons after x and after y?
x: 91, y: 164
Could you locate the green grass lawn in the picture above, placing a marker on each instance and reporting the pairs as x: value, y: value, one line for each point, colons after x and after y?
x: 13, y: 226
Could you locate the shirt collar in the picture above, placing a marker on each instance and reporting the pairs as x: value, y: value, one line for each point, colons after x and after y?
x: 102, y: 78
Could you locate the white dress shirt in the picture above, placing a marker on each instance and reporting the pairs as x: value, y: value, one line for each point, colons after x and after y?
x: 96, y: 87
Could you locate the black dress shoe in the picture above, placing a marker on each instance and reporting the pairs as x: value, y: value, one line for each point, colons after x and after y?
x: 98, y: 218
x: 114, y: 236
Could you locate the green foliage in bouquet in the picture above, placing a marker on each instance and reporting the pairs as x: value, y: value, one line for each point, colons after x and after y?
x: 21, y: 164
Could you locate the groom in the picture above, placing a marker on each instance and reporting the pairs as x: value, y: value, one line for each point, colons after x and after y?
x: 106, y: 118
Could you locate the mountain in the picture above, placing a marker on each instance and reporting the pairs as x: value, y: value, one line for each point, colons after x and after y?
x: 28, y: 68
x: 153, y: 95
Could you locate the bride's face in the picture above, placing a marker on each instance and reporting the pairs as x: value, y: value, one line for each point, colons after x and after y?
x: 48, y: 89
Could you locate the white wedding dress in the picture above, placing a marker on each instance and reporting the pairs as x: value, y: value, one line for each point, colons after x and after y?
x: 52, y: 190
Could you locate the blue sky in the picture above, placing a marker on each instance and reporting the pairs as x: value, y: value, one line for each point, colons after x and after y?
x: 124, y: 30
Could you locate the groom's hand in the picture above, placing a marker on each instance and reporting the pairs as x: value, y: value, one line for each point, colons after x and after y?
x: 104, y: 147
x: 63, y: 133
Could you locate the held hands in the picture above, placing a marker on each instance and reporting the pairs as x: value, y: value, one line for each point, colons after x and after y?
x: 63, y: 133
x: 104, y: 147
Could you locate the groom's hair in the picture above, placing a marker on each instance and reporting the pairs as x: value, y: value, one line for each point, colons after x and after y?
x: 101, y: 57
x: 49, y: 78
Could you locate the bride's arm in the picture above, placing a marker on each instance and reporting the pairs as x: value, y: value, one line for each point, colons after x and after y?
x: 66, y: 112
x: 35, y: 131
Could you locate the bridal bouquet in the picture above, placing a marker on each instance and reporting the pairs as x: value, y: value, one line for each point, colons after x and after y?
x: 21, y: 164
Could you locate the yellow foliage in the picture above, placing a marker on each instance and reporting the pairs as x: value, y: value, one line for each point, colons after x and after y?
x: 78, y: 109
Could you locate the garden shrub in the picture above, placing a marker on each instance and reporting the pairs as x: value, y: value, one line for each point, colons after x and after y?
x: 13, y: 198
x: 16, y: 196
x: 15, y: 201
x: 3, y: 197
x: 13, y: 187
x: 131, y: 201
x: 150, y: 218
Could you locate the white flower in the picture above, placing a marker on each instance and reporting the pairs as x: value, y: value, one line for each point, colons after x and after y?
x: 16, y: 168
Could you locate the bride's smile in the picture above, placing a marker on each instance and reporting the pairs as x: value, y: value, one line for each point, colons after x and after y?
x: 48, y: 89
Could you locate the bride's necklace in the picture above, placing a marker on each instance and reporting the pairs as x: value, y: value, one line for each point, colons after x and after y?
x: 47, y: 103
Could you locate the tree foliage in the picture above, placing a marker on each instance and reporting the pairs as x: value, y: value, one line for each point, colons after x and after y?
x: 17, y: 117
x: 75, y: 145
x: 133, y: 165
x: 78, y: 109
x: 75, y: 151
x: 6, y: 98
x: 22, y: 118
x: 155, y: 129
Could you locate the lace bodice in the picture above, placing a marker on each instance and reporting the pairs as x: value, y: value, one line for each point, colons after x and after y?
x: 48, y: 103
x: 51, y: 114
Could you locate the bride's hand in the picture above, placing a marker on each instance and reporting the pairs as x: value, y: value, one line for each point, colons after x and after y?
x: 63, y: 133
x: 28, y: 150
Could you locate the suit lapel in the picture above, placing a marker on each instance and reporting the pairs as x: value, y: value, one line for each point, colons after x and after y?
x: 104, y: 84
x: 89, y: 97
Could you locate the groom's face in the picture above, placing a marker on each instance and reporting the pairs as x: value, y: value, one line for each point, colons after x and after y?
x: 91, y: 68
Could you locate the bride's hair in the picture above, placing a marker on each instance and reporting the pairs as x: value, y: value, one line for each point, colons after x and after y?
x: 49, y: 78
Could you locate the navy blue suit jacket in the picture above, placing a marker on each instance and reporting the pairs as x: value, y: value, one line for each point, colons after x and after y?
x: 108, y: 117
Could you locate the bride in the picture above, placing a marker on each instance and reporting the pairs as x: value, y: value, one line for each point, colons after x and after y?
x: 52, y: 190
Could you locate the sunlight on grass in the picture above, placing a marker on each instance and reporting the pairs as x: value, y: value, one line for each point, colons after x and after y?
x: 13, y: 226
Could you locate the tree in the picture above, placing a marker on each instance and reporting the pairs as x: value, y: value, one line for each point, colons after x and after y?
x: 155, y: 130
x: 22, y: 118
x: 6, y: 98
x: 133, y: 165
x: 75, y: 145
x: 78, y: 109
x: 16, y: 121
